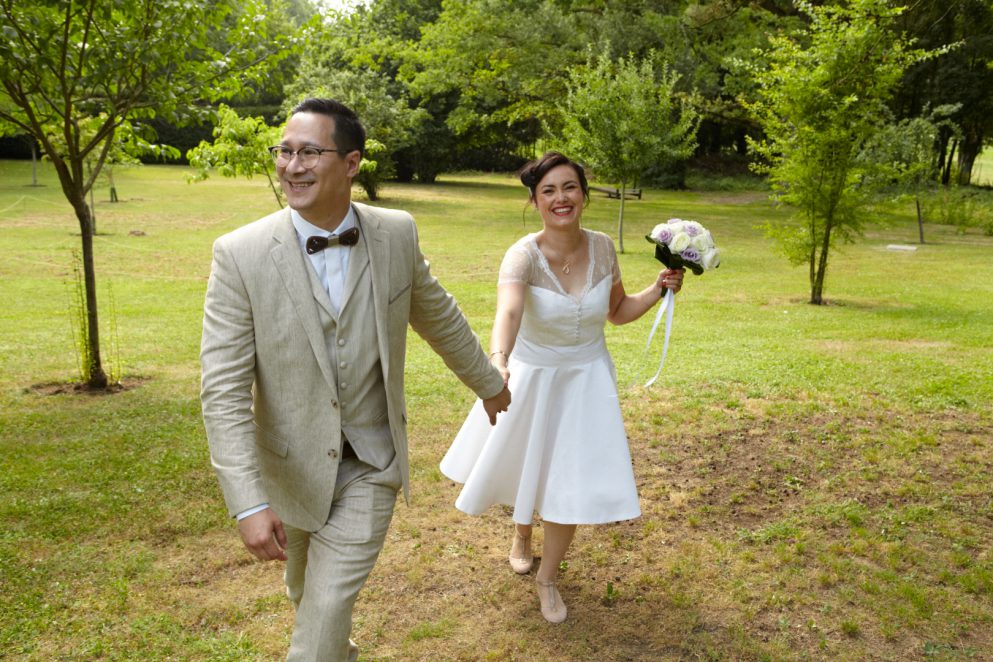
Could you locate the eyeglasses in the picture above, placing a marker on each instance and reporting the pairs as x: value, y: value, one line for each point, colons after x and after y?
x: 308, y: 156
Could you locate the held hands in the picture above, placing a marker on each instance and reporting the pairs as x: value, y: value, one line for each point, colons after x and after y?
x: 263, y: 535
x: 498, y: 403
x: 671, y: 279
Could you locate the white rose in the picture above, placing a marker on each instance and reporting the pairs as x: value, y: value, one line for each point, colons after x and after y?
x: 711, y: 259
x: 680, y: 241
x: 702, y: 242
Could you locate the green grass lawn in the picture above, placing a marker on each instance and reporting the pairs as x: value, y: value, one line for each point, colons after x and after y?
x: 815, y: 481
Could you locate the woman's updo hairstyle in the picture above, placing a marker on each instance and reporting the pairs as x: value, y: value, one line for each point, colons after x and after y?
x: 533, y: 172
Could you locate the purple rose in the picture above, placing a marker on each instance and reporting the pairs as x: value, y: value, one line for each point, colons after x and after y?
x: 663, y: 235
x: 692, y: 229
x: 691, y: 255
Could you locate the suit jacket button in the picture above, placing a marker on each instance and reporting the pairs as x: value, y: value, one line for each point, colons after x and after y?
x: 334, y: 404
x: 332, y: 453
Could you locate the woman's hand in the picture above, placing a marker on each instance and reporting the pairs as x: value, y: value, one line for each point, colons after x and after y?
x: 670, y: 279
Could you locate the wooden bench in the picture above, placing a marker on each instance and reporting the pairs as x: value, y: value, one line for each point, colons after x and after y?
x: 615, y: 193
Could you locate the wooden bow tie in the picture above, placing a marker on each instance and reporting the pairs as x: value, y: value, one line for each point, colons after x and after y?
x: 349, y: 237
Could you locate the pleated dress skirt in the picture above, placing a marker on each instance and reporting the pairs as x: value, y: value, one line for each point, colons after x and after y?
x: 560, y: 450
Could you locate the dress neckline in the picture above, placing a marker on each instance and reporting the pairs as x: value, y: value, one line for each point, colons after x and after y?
x: 547, y: 268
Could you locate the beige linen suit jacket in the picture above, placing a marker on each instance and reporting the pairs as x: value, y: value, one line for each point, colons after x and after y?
x: 269, y: 396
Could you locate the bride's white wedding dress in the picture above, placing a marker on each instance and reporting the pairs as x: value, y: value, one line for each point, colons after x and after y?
x: 561, y: 449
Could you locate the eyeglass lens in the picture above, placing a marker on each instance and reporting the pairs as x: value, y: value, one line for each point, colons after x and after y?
x: 308, y: 156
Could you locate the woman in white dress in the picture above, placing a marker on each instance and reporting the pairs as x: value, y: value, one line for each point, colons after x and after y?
x: 561, y: 449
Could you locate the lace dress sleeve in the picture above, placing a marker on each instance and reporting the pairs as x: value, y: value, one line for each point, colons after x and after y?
x: 615, y: 267
x: 605, y: 259
x: 516, y: 266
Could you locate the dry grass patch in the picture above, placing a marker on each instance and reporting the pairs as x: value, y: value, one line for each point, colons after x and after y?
x: 770, y: 534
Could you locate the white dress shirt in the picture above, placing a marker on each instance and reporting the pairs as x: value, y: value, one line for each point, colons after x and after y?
x: 331, y: 264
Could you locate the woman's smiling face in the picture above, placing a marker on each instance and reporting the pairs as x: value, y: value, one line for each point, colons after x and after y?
x: 559, y: 196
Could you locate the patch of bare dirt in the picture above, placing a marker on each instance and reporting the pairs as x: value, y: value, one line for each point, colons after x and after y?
x: 78, y: 388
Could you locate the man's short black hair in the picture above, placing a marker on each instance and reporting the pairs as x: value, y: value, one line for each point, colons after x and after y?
x: 348, y: 131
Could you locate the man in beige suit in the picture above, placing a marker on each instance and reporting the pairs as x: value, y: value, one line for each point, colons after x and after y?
x: 304, y: 338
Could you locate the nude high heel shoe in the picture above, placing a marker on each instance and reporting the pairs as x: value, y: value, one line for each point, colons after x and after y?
x: 552, y: 607
x: 521, y: 564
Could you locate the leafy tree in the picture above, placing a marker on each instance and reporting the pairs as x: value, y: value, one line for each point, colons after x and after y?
x: 126, y: 147
x: 820, y: 100
x: 240, y: 149
x: 132, y: 143
x: 622, y: 117
x: 487, y: 76
x: 964, y: 76
x: 904, y: 157
x: 62, y: 61
x: 501, y: 64
x: 369, y: 177
x: 502, y: 67
x: 709, y: 36
x: 289, y: 18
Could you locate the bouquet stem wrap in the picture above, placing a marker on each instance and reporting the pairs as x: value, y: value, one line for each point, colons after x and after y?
x: 668, y: 308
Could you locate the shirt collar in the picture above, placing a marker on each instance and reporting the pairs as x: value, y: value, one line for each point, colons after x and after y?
x: 306, y: 229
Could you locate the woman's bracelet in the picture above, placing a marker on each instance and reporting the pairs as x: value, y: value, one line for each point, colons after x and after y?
x: 503, y: 354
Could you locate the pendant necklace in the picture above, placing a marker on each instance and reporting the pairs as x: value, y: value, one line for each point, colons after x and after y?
x: 567, y: 262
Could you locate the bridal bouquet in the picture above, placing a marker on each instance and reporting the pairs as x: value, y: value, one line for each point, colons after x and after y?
x: 679, y: 244
x: 683, y: 244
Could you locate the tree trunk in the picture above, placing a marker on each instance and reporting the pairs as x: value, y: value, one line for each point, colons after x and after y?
x: 812, y: 258
x: 110, y: 179
x: 75, y: 187
x: 620, y: 221
x: 93, y: 209
x: 920, y: 217
x: 946, y: 174
x: 77, y: 197
x: 98, y: 378
x: 34, y: 163
x: 969, y: 149
x: 944, y: 137
x: 817, y: 286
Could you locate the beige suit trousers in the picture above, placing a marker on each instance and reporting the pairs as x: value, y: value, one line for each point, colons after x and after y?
x: 325, y: 569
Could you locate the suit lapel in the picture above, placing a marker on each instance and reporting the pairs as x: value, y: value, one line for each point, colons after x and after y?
x: 302, y: 288
x: 377, y: 242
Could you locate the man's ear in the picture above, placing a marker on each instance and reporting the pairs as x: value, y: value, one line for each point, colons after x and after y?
x: 354, y: 160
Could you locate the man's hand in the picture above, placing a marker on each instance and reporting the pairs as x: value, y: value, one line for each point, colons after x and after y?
x: 497, y: 404
x: 263, y: 535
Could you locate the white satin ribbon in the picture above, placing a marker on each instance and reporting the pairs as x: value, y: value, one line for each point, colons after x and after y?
x: 668, y: 306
